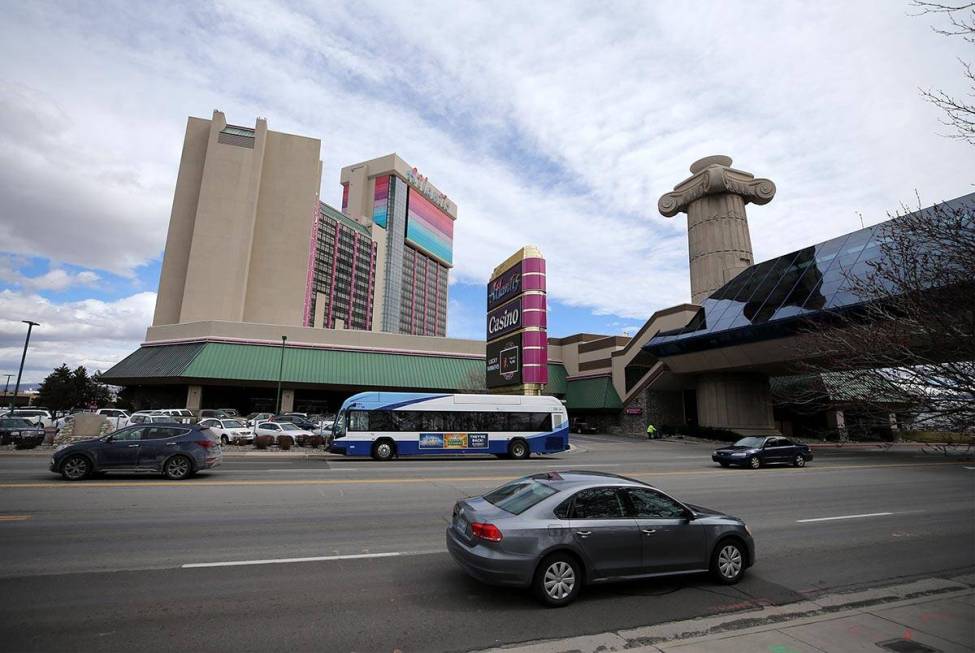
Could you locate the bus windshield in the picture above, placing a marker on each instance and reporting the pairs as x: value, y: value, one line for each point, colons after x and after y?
x: 338, y: 428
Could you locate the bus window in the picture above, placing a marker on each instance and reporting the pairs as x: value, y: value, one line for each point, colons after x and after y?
x: 358, y: 420
x: 541, y: 422
x: 518, y: 422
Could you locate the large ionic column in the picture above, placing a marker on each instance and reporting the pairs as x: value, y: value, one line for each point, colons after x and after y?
x: 714, y: 198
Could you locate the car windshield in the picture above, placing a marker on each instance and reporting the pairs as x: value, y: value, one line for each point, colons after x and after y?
x: 14, y: 423
x: 519, y: 496
x: 751, y: 443
x: 232, y: 424
x: 288, y: 426
x: 28, y: 413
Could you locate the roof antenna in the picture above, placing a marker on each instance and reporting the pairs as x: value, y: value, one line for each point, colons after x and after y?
x: 861, y: 219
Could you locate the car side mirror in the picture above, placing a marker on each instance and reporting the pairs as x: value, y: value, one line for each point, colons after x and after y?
x: 690, y: 515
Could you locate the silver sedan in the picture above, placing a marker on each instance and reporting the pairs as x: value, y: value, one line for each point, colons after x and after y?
x: 557, y: 531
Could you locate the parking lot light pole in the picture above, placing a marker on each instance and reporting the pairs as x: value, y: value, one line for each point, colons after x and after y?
x: 20, y: 372
x: 277, y: 410
x: 6, y: 388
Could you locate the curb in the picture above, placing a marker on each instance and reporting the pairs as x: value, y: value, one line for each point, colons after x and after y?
x: 724, y: 626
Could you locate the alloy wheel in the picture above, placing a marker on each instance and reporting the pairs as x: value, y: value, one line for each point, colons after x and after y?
x: 75, y: 468
x: 800, y: 461
x: 178, y: 467
x: 729, y: 561
x: 559, y: 580
x: 755, y: 462
x: 384, y: 451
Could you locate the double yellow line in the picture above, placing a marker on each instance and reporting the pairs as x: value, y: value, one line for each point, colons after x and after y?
x: 189, y: 485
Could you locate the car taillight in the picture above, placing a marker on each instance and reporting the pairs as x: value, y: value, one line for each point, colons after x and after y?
x: 207, y: 443
x: 488, y: 532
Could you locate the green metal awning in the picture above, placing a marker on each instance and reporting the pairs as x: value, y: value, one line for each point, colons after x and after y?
x: 155, y: 362
x: 556, y: 380
x: 595, y: 393
x: 260, y: 363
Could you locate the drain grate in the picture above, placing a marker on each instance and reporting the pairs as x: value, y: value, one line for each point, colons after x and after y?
x: 900, y: 645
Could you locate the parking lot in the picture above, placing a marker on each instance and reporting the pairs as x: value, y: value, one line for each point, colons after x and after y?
x: 120, y: 563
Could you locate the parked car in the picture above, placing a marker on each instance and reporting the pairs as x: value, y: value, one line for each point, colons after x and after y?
x: 20, y: 431
x: 228, y: 430
x: 154, y: 417
x: 177, y: 451
x: 210, y: 413
x: 230, y: 412
x: 298, y: 420
x: 181, y: 415
x: 118, y: 417
x: 254, y: 418
x: 38, y: 416
x: 557, y: 531
x: 281, y: 429
x: 581, y: 426
x: 758, y: 451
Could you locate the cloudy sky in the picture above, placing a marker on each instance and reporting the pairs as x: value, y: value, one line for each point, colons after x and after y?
x: 553, y: 123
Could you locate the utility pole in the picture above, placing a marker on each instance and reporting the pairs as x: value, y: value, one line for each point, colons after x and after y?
x: 6, y: 388
x: 277, y: 410
x: 20, y: 372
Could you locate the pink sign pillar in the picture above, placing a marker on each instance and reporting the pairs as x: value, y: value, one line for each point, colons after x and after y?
x: 517, y: 321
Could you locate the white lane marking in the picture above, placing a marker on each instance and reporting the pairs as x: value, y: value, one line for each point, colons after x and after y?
x: 871, y: 514
x: 970, y: 468
x: 278, y: 561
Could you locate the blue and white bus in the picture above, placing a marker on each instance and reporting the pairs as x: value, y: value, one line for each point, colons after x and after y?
x: 388, y: 424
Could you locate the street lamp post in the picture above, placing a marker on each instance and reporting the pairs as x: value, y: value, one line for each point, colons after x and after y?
x: 20, y: 372
x: 6, y: 388
x: 277, y: 410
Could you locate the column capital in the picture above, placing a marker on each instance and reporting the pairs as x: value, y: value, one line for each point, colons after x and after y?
x: 714, y: 175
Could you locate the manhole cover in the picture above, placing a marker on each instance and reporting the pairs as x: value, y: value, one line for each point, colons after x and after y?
x: 907, y: 646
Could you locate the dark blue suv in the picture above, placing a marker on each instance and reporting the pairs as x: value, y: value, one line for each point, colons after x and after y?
x: 177, y: 451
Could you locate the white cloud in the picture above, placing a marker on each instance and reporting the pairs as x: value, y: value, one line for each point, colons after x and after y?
x: 547, y: 123
x: 54, y: 279
x: 92, y: 333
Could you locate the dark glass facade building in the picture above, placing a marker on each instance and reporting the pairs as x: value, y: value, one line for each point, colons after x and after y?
x: 343, y: 273
x: 771, y: 299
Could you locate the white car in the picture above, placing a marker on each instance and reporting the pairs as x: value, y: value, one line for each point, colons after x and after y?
x: 152, y: 417
x: 277, y: 429
x: 33, y: 415
x: 116, y: 416
x: 228, y: 430
x: 181, y: 415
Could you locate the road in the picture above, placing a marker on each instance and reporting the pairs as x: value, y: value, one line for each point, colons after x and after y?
x: 102, y: 565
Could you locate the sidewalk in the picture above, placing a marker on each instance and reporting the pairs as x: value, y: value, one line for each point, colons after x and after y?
x: 920, y: 617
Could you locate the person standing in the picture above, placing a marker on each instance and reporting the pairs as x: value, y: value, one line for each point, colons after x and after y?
x: 651, y: 431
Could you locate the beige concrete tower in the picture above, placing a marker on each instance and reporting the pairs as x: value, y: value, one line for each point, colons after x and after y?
x: 714, y: 198
x: 244, y: 205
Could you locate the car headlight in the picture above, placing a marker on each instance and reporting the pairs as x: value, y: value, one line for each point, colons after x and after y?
x: 60, y: 447
x: 740, y: 454
x: 747, y: 530
x: 13, y: 433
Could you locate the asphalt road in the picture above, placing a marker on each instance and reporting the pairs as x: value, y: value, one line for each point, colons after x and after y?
x: 100, y: 565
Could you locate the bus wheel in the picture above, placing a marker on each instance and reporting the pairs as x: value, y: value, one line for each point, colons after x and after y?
x: 518, y: 449
x: 383, y: 449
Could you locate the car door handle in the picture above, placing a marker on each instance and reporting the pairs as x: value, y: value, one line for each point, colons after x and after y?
x: 649, y: 531
x: 133, y: 445
x: 583, y: 533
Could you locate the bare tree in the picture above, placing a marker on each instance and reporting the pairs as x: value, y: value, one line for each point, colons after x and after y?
x: 911, y: 341
x: 959, y: 113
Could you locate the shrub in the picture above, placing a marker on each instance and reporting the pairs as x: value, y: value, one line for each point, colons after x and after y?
x: 29, y: 443
x: 263, y: 441
x: 285, y: 442
x: 313, y: 441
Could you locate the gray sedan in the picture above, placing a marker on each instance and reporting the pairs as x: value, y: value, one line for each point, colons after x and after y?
x: 556, y: 531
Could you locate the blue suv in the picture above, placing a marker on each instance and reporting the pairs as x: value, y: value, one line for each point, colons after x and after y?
x: 176, y: 451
